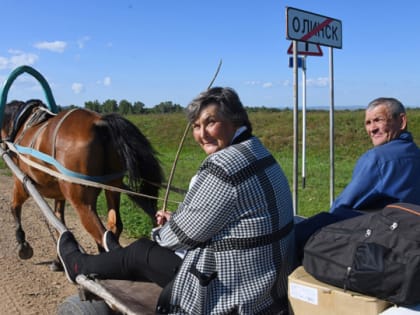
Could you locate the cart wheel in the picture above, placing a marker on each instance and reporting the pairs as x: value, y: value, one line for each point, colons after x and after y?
x: 74, y: 306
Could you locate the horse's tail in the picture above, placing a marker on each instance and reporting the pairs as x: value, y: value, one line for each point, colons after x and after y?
x: 135, y: 151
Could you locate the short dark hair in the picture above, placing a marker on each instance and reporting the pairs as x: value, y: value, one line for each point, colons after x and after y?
x: 230, y: 106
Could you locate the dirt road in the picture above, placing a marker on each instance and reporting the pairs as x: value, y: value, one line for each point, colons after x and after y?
x: 28, y: 286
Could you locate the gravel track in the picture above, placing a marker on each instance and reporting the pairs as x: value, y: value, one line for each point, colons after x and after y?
x: 29, y: 286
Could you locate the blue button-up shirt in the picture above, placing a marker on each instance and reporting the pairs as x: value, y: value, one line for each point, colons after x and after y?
x: 385, y: 174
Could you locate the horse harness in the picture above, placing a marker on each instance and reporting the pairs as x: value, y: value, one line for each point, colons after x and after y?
x: 32, y: 114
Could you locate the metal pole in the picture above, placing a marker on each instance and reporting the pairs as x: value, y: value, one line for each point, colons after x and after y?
x: 331, y: 125
x: 30, y: 188
x: 295, y: 129
x: 303, y: 121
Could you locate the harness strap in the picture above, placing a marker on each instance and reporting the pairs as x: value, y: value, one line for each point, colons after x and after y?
x: 50, y: 160
x: 37, y: 133
x: 22, y: 117
x: 32, y: 114
x: 70, y: 179
x: 57, y: 128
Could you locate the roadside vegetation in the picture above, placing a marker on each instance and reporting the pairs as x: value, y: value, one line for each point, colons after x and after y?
x: 275, y: 129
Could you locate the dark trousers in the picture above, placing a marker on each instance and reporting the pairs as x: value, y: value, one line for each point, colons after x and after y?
x: 142, y: 260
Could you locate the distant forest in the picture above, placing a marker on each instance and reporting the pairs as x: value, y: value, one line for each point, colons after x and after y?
x: 125, y: 107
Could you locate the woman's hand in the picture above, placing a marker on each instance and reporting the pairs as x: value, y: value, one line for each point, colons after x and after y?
x: 162, y: 216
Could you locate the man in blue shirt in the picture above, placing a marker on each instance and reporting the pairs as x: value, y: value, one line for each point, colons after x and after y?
x: 387, y: 173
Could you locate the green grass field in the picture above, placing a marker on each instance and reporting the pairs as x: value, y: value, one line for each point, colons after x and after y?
x: 275, y: 129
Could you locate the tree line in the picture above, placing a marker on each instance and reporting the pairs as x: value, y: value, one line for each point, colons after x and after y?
x: 125, y: 107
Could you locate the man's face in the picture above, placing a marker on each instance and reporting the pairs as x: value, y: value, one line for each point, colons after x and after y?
x: 381, y: 126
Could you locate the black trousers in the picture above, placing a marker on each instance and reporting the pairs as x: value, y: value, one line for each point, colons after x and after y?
x: 142, y: 260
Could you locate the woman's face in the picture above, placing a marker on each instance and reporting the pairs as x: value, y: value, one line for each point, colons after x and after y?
x: 212, y: 131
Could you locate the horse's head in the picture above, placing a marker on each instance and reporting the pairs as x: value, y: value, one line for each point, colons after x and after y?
x: 15, y: 114
x: 10, y: 112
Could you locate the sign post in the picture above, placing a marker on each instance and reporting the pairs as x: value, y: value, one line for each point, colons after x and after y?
x: 315, y: 29
x: 305, y: 49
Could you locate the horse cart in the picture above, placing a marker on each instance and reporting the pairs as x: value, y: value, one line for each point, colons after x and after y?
x: 95, y: 296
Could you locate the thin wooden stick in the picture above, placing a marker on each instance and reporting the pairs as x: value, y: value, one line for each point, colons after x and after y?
x: 215, y: 75
x: 171, y: 175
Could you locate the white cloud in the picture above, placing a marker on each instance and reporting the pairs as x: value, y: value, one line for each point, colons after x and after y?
x: 81, y: 42
x: 56, y: 46
x: 14, y: 51
x: 252, y: 82
x: 107, y: 81
x: 311, y: 82
x: 318, y: 82
x: 4, y: 62
x: 17, y: 59
x: 23, y: 59
x: 77, y: 88
x: 259, y: 83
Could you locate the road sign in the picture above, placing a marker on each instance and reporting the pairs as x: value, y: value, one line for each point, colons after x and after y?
x: 313, y: 28
x: 305, y: 48
x: 300, y: 62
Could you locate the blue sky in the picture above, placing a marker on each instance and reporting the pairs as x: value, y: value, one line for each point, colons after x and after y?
x: 163, y: 50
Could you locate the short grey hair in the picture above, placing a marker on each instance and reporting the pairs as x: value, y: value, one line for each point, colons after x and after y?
x: 230, y: 106
x: 395, y: 106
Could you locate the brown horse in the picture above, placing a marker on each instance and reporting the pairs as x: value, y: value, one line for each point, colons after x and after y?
x: 81, y: 144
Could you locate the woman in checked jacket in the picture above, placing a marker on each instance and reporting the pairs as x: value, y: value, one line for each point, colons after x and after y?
x: 229, y: 247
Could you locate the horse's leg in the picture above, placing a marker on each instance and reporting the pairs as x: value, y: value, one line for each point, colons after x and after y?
x: 25, y: 250
x: 91, y: 222
x: 83, y: 200
x: 114, y: 223
x: 59, y: 206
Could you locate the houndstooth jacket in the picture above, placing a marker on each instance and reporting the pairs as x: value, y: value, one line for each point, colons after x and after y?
x: 236, y: 224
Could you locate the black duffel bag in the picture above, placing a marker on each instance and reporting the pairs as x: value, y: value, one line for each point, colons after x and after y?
x: 376, y: 254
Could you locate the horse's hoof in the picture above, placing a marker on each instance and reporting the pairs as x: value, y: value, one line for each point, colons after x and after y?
x: 56, y: 266
x: 25, y: 251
